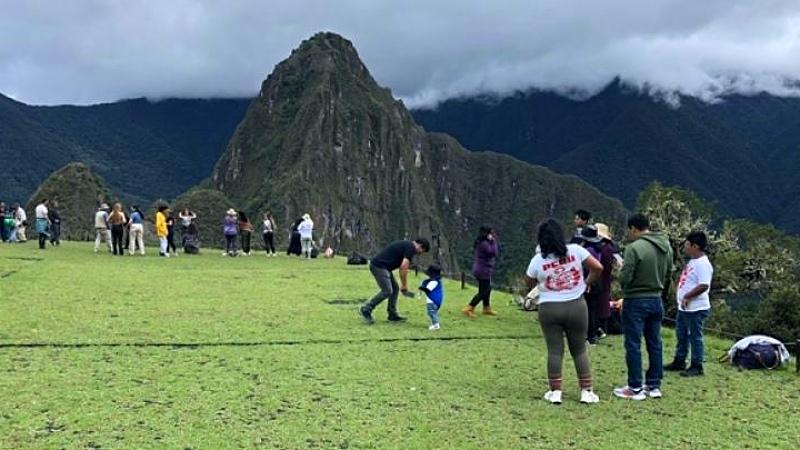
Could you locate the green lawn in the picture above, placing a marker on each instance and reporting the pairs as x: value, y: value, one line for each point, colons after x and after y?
x: 207, y: 352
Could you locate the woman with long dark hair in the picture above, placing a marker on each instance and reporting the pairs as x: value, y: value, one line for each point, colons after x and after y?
x: 268, y: 234
x: 245, y: 232
x: 486, y: 251
x: 558, y: 271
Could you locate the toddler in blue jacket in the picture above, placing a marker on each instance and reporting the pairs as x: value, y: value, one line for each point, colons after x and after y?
x: 434, y: 293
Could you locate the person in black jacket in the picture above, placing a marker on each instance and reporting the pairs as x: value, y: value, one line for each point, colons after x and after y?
x: 55, y: 223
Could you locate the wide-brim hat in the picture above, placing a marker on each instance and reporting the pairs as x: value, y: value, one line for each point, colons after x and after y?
x: 603, y: 231
x: 589, y: 233
x: 433, y: 271
x: 231, y: 212
x: 306, y: 217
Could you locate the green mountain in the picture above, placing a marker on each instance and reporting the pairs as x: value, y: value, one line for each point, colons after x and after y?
x: 322, y: 137
x: 740, y: 153
x: 145, y: 150
x: 78, y: 192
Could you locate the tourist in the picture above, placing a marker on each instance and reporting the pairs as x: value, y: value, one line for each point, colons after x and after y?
x: 117, y: 221
x: 306, y: 230
x: 55, y: 223
x: 557, y: 270
x: 101, y: 227
x: 230, y: 228
x: 609, y: 258
x: 42, y: 223
x: 581, y: 219
x: 295, y: 247
x: 171, y: 248
x: 3, y: 228
x: 161, y: 230
x: 644, y: 276
x: 245, y: 232
x: 434, y: 294
x: 694, y: 305
x: 483, y: 266
x: 593, y: 243
x: 21, y: 218
x: 136, y: 231
x: 268, y: 234
x: 397, y: 255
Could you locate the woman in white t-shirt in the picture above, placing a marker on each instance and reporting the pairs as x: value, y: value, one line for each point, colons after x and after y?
x: 558, y: 272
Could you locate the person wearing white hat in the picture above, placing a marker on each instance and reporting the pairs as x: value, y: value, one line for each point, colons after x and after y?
x: 306, y: 229
x: 101, y: 227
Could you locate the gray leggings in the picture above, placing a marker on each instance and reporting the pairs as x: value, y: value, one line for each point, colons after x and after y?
x: 557, y: 320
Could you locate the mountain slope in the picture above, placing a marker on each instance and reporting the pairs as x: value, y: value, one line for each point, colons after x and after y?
x: 322, y: 137
x: 145, y: 150
x: 739, y: 153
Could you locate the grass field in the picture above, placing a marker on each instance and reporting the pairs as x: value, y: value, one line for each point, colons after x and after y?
x: 207, y: 352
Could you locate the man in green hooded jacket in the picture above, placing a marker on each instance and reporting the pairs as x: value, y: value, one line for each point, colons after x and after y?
x: 645, y: 274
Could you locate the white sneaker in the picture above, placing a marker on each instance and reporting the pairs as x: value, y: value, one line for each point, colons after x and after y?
x: 434, y: 327
x: 553, y: 397
x: 587, y: 396
x: 627, y: 392
x: 224, y: 253
x: 652, y: 392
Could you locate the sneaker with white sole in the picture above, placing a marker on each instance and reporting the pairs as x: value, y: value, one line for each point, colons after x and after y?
x: 652, y: 392
x: 434, y: 327
x: 588, y: 396
x: 553, y: 397
x: 629, y: 393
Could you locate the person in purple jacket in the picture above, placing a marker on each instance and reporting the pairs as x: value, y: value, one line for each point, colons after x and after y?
x: 486, y: 251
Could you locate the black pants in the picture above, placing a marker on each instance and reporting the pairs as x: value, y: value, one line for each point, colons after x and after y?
x: 230, y: 243
x: 171, y: 243
x: 593, y: 323
x: 269, y: 241
x: 245, y: 238
x: 42, y: 240
x: 484, y: 292
x: 55, y: 233
x: 116, y: 239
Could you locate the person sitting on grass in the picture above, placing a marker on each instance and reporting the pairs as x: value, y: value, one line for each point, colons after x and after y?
x: 434, y: 294
x: 693, y: 306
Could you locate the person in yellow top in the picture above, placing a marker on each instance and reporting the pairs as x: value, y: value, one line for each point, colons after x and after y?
x: 161, y: 230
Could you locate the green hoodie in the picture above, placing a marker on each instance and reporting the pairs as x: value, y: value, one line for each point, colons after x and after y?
x: 648, y: 266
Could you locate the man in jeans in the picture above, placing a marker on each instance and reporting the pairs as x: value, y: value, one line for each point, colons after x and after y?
x: 693, y: 306
x: 397, y: 255
x: 645, y: 275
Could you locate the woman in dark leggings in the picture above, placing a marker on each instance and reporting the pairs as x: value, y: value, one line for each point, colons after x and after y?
x: 558, y: 271
x: 486, y: 251
x: 117, y: 222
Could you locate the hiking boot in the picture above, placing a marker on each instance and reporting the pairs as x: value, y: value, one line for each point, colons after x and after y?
x: 652, y: 392
x: 588, y: 396
x: 396, y: 318
x: 488, y: 311
x: 553, y: 397
x: 630, y: 393
x: 469, y: 311
x: 366, y: 315
x: 676, y: 365
x: 693, y: 371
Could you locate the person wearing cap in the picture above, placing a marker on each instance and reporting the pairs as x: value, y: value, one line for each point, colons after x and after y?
x: 434, y: 294
x: 609, y: 258
x: 101, y: 227
x: 306, y: 229
x: 591, y: 241
x: 694, y: 305
x: 230, y: 228
x: 397, y: 255
x: 162, y: 231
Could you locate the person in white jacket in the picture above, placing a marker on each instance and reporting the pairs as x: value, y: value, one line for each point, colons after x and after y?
x: 306, y: 229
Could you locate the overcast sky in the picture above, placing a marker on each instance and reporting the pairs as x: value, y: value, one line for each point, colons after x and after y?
x: 82, y: 51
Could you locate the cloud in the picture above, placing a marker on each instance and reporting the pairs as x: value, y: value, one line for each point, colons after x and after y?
x: 103, y: 50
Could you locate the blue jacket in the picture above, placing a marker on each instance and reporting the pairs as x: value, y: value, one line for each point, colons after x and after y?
x: 434, y: 290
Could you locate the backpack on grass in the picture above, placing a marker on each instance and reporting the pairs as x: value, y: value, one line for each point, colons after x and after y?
x: 757, y: 352
x: 356, y: 259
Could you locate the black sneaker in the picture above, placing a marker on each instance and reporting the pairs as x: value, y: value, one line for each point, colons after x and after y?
x: 366, y: 315
x: 675, y: 366
x: 396, y: 318
x: 693, y: 371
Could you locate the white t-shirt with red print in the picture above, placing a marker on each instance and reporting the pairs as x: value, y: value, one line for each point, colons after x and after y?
x: 697, y: 271
x: 559, y: 279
